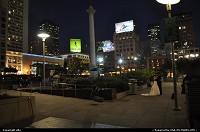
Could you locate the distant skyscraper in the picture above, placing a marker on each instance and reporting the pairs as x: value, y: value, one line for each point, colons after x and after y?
x: 154, y: 31
x: 186, y: 31
x: 15, y: 21
x: 52, y: 43
x: 35, y: 46
x: 154, y: 39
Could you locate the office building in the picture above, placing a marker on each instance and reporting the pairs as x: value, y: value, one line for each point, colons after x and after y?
x: 16, y: 31
x: 186, y: 31
x: 84, y: 60
x: 128, y: 48
x: 52, y: 43
x: 188, y: 53
x: 155, y: 40
x: 3, y: 25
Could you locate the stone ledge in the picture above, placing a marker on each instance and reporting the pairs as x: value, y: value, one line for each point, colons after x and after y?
x: 122, y: 94
x: 16, y: 109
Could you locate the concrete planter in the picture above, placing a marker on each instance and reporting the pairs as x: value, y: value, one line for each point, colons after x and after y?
x: 16, y: 109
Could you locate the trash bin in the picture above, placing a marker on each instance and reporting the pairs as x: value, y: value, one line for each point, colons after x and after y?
x: 133, y: 86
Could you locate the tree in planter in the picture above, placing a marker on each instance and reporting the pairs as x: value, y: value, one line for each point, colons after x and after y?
x: 74, y: 66
x: 143, y: 76
x: 84, y: 67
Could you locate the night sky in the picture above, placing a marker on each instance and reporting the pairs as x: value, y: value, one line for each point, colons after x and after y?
x: 73, y: 20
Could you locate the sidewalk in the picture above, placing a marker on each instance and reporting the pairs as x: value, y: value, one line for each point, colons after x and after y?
x: 132, y: 111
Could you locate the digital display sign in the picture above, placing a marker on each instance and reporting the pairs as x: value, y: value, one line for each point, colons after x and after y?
x: 126, y: 26
x: 75, y: 45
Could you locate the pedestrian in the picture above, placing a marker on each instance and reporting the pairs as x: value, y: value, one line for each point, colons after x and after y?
x: 159, y: 82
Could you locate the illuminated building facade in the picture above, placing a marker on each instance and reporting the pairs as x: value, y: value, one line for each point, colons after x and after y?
x: 156, y: 62
x: 84, y: 58
x: 186, y: 53
x: 154, y: 39
x: 33, y: 64
x: 3, y: 25
x: 106, y: 51
x: 186, y: 31
x: 128, y: 48
x: 16, y: 30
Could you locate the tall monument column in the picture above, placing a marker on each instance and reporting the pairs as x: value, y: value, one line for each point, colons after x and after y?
x: 91, y: 13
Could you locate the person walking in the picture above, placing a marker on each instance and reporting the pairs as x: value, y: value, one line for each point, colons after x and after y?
x: 159, y: 82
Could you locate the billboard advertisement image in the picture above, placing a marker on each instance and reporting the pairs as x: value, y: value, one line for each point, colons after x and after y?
x: 126, y: 26
x: 75, y: 45
x: 108, y: 46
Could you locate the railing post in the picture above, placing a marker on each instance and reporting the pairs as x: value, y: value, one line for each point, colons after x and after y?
x: 75, y: 90
x: 31, y: 86
x: 40, y: 87
x: 20, y: 92
x: 51, y: 87
x: 63, y: 91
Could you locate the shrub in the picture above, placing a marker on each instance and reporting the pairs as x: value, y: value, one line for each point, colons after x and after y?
x: 103, y: 82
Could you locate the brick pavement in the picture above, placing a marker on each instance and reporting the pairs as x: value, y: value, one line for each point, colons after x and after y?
x: 132, y: 111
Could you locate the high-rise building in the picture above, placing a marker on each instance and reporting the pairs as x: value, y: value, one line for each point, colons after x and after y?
x: 128, y: 48
x: 52, y: 43
x: 186, y: 31
x: 154, y: 31
x: 3, y: 25
x: 35, y: 46
x: 158, y: 53
x: 105, y: 50
x: 16, y: 30
x: 154, y: 39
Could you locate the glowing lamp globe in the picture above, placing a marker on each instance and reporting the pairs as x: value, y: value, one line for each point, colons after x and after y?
x: 43, y: 35
x: 166, y: 2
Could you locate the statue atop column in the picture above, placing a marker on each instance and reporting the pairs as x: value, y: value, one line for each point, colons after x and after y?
x: 93, y: 60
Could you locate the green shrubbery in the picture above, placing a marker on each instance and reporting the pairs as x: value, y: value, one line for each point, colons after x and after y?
x: 120, y: 83
x: 101, y: 82
x: 112, y: 82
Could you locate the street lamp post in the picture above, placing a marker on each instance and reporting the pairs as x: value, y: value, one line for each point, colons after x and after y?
x: 43, y: 36
x: 168, y: 4
x: 120, y: 63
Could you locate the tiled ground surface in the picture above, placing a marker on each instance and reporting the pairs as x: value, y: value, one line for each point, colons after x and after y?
x: 52, y: 122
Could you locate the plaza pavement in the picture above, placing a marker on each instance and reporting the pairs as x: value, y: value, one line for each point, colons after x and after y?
x: 132, y: 111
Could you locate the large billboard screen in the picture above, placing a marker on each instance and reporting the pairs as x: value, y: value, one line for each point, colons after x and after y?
x: 108, y: 46
x: 75, y: 45
x: 126, y: 26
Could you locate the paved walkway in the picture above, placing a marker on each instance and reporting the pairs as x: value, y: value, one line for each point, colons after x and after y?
x: 132, y: 111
